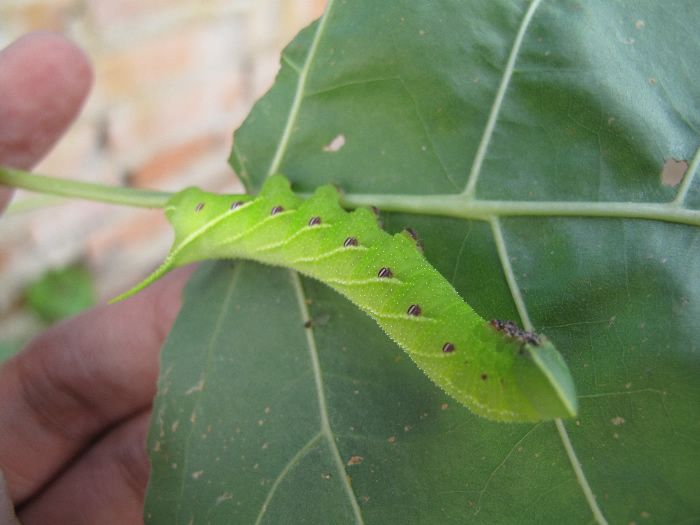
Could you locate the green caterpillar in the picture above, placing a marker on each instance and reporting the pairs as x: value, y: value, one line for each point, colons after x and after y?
x: 496, y: 370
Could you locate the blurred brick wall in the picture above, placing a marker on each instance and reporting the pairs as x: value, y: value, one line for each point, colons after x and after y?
x: 173, y: 80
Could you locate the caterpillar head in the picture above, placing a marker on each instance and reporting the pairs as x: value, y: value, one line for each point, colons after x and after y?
x: 540, y: 372
x: 545, y: 381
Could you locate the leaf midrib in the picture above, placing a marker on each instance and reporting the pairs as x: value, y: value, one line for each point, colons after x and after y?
x: 463, y: 207
x: 325, y: 430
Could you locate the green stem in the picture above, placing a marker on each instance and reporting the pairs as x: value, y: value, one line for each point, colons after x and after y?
x: 470, y: 208
x: 36, y: 202
x: 83, y: 190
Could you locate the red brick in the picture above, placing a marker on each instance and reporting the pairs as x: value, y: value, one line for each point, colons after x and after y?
x: 146, y: 123
x: 163, y: 165
x: 136, y: 227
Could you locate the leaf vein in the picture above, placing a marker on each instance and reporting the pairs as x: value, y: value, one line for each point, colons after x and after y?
x: 299, y: 94
x: 498, y: 101
x: 326, y: 429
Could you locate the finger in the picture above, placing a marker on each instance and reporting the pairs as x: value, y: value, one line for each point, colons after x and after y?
x: 105, y: 485
x: 78, y: 378
x: 44, y: 80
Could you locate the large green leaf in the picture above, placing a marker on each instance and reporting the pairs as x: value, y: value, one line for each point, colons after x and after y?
x: 525, y: 142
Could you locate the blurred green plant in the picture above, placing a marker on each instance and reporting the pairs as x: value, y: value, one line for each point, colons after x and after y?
x: 61, y: 293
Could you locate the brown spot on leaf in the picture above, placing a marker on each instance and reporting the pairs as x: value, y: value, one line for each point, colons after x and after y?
x: 673, y: 172
x: 337, y: 143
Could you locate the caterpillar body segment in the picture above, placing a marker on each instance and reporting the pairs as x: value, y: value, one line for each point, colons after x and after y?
x: 496, y: 370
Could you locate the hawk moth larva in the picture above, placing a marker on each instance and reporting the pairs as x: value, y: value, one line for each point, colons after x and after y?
x: 496, y: 370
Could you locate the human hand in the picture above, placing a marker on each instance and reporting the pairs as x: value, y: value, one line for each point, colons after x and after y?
x: 76, y: 402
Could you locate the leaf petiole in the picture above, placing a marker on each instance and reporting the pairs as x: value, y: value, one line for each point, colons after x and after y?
x: 83, y: 190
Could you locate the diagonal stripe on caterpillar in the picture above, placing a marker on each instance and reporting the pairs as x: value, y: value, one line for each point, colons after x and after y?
x: 496, y: 370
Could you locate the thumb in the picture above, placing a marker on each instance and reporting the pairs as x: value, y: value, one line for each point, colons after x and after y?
x: 7, y: 510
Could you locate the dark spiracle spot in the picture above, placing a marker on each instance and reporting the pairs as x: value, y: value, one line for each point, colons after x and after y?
x: 236, y: 205
x: 199, y: 207
x: 314, y: 221
x: 412, y: 233
x: 420, y: 247
x: 414, y: 309
x: 448, y: 347
x: 276, y: 210
x: 484, y: 377
x: 350, y: 241
x: 385, y: 272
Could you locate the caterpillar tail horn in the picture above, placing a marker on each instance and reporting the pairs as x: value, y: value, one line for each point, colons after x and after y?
x: 160, y: 272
